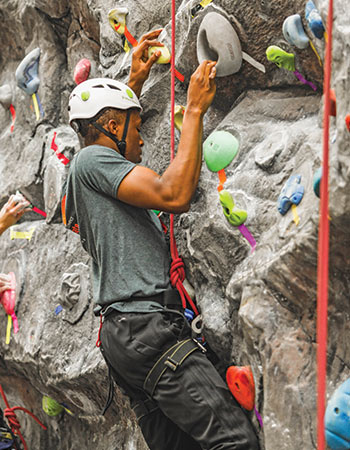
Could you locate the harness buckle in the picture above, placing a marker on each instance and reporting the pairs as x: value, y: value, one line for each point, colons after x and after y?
x: 173, y: 365
x: 201, y: 347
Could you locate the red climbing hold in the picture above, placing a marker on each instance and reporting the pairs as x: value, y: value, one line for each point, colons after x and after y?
x: 347, y: 121
x: 240, y: 381
x: 82, y: 70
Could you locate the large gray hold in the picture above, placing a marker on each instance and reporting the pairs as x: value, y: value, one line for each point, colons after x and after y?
x: 218, y: 41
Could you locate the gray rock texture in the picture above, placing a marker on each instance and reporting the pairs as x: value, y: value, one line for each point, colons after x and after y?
x: 258, y: 308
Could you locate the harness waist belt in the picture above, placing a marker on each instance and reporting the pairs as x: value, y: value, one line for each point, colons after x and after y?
x: 171, y: 359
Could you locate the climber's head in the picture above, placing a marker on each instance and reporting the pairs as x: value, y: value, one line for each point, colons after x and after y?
x: 107, y: 112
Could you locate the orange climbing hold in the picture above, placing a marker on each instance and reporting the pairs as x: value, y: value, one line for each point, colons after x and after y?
x: 240, y: 381
x: 347, y: 121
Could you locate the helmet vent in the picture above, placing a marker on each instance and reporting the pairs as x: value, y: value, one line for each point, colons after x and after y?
x: 113, y: 87
x: 98, y: 86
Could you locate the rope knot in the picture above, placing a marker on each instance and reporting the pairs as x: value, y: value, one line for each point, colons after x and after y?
x: 12, y: 418
x: 177, y: 271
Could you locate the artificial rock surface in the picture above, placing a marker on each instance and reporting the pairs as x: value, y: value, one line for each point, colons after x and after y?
x: 259, y: 308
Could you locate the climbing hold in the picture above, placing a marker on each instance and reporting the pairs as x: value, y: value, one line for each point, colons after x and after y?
x: 333, y: 99
x: 337, y: 418
x: 27, y: 72
x: 117, y: 19
x: 240, y: 381
x: 64, y: 160
x: 21, y: 234
x: 82, y: 70
x: 6, y: 101
x: 281, y: 58
x: 51, y: 407
x: 28, y: 79
x: 199, y: 7
x: 179, y: 116
x: 347, y: 122
x: 286, y: 60
x: 316, y: 182
x: 58, y: 309
x: 314, y: 20
x: 291, y: 193
x: 217, y: 40
x: 219, y: 150
x: 8, y: 301
x: 165, y: 56
x: 236, y: 217
x: 294, y: 33
x: 6, y: 96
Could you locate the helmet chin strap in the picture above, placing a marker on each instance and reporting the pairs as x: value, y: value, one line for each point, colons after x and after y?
x: 121, y: 144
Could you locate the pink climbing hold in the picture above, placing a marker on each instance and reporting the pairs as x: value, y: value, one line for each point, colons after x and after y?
x: 82, y: 70
x: 8, y: 301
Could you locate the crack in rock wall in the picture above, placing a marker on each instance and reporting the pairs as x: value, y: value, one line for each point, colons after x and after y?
x: 258, y: 308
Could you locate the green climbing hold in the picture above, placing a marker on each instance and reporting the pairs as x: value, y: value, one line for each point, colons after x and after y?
x: 129, y: 93
x: 85, y: 96
x: 281, y: 58
x: 51, y: 407
x: 236, y: 217
x: 219, y: 150
x: 165, y: 56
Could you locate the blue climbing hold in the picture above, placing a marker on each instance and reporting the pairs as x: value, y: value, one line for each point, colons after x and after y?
x: 316, y: 182
x: 291, y: 194
x: 27, y: 72
x: 293, y: 32
x: 314, y: 19
x: 337, y: 418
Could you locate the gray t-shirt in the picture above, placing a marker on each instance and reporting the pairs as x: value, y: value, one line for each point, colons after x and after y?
x: 130, y: 257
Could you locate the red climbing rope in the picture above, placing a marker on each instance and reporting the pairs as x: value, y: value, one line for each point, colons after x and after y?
x: 177, y: 268
x: 12, y: 418
x: 323, y: 247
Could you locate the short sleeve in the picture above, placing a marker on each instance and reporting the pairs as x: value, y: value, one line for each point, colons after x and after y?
x: 102, y: 169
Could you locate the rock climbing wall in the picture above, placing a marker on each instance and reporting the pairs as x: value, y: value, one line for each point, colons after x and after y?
x: 259, y: 308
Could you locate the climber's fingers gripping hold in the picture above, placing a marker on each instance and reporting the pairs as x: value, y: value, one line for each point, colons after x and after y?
x: 202, y: 88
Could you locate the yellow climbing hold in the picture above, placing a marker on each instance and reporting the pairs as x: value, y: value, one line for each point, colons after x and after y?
x: 117, y: 19
x: 295, y: 214
x: 179, y: 116
x: 22, y: 234
x: 165, y: 56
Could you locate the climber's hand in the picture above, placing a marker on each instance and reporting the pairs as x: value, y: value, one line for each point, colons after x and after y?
x: 141, y: 63
x: 5, y: 282
x: 12, y: 211
x: 202, y: 87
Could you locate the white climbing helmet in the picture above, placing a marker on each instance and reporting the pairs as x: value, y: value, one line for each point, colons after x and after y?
x: 90, y: 97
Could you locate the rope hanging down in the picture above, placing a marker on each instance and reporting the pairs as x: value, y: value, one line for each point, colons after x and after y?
x: 12, y: 418
x: 323, y: 248
x: 177, y: 268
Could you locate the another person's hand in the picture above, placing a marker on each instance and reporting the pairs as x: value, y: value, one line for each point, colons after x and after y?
x: 12, y: 211
x: 5, y: 282
x: 141, y: 63
x: 202, y: 87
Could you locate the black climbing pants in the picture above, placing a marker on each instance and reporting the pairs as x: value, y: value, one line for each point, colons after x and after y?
x: 192, y: 408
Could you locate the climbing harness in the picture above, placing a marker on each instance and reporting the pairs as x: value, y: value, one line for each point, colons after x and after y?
x: 64, y: 160
x: 8, y: 301
x: 171, y: 359
x: 12, y: 418
x: 323, y: 247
